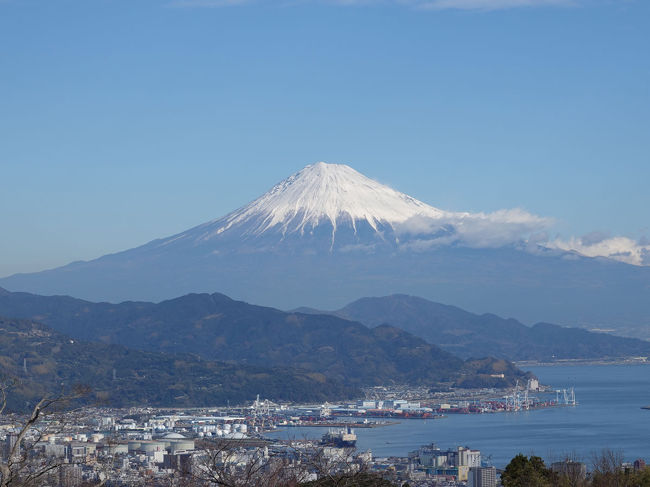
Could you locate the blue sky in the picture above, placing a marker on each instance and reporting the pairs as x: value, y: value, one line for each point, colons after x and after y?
x: 122, y: 121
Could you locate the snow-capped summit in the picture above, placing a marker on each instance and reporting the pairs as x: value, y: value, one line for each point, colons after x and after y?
x: 328, y: 192
x: 320, y: 196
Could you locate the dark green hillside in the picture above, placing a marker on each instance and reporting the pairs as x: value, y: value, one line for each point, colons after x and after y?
x: 470, y: 335
x: 142, y: 378
x: 216, y: 327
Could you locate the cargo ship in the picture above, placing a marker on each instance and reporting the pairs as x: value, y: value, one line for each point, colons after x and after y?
x: 340, y: 438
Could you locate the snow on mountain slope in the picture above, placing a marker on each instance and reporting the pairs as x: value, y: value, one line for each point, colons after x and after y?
x: 333, y: 202
x: 330, y: 194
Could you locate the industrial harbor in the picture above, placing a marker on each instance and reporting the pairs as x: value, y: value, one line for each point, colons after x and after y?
x: 157, y: 445
x: 389, y: 405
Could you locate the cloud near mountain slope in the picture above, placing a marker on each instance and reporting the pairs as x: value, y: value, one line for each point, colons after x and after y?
x: 623, y: 249
x: 515, y: 226
x: 476, y: 230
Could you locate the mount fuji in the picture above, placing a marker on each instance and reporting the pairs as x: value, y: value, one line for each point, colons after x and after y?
x: 330, y: 208
x: 325, y: 207
x: 328, y: 235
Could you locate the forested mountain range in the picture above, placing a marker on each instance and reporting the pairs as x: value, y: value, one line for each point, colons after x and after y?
x: 470, y: 335
x: 215, y: 327
x: 37, y: 361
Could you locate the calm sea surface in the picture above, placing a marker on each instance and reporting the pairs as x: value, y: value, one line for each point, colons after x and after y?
x: 608, y: 416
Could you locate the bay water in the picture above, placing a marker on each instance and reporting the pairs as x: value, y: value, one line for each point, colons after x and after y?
x: 608, y: 416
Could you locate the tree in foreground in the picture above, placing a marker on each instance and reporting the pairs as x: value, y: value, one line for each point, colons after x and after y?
x: 523, y: 471
x: 21, y: 465
x: 609, y: 471
x: 224, y: 463
x: 359, y: 479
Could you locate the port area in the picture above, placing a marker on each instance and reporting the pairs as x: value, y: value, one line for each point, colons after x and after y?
x: 403, y: 402
x: 389, y: 405
x: 439, y: 411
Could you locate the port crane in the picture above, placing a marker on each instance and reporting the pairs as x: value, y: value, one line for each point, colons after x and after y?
x: 261, y: 410
x: 519, y: 400
x: 565, y: 397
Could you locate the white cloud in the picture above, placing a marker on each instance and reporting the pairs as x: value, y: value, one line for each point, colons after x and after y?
x: 515, y: 227
x: 501, y: 227
x: 623, y: 249
x: 495, y: 229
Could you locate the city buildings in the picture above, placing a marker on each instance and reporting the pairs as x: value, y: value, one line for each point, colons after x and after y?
x: 482, y: 477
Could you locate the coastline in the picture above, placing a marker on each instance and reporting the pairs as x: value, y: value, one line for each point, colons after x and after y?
x: 577, y: 361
